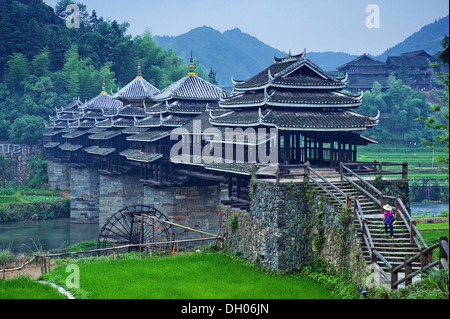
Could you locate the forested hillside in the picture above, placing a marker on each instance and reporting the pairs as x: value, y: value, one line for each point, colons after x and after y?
x: 428, y: 38
x: 45, y: 64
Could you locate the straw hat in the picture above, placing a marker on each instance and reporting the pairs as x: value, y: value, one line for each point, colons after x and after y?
x: 387, y: 207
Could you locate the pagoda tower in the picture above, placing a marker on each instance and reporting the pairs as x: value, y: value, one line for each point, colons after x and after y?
x: 315, y: 121
x: 137, y: 91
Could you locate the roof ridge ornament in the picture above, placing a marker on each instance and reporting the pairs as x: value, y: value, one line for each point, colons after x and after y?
x: 360, y: 96
x: 345, y: 79
x: 262, y: 117
x: 145, y: 105
x: 103, y: 87
x: 139, y: 71
x: 266, y: 96
x: 376, y: 117
x: 191, y: 66
x: 269, y: 76
x: 218, y: 116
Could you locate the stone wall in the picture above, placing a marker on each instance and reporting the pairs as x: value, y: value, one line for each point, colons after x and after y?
x: 192, y: 206
x: 58, y: 175
x: 117, y: 192
x: 289, y: 226
x: 84, y: 195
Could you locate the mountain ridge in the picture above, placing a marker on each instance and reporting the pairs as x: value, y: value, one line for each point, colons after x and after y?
x: 239, y: 55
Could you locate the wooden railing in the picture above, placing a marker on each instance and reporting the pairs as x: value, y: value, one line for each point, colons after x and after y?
x: 378, y: 168
x: 10, y: 151
x: 311, y: 171
x: 426, y: 263
x: 414, y: 233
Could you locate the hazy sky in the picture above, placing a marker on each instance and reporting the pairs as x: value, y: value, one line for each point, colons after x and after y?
x: 319, y: 25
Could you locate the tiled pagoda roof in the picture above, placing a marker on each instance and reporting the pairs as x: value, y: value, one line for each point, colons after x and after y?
x: 138, y: 89
x: 291, y: 72
x: 292, y: 98
x: 102, y: 101
x: 139, y: 156
x: 190, y: 87
x: 301, y: 120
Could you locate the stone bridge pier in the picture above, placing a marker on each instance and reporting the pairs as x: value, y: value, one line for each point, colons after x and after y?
x: 95, y: 197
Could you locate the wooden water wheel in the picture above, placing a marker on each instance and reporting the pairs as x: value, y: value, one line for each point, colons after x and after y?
x: 138, y: 224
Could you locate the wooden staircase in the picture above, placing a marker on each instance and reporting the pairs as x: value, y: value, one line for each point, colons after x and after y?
x: 394, y: 251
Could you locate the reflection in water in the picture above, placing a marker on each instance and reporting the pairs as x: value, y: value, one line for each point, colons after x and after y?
x: 50, y: 234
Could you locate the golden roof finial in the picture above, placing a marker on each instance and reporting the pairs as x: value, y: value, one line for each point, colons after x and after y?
x: 139, y: 72
x: 191, y: 66
x: 103, y: 87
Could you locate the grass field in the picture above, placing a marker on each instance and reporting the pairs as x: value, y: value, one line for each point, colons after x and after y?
x: 186, y: 276
x: 23, y: 288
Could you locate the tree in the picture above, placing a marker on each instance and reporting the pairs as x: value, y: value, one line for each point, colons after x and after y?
x: 439, y: 121
x: 212, y: 77
x: 71, y: 71
x: 40, y: 65
x: 27, y: 129
x: 16, y: 72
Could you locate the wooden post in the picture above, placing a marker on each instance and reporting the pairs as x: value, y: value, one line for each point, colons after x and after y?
x: 380, y: 169
x: 423, y: 259
x: 141, y: 239
x: 408, y: 271
x: 277, y: 174
x: 373, y: 257
x: 230, y: 186
x: 253, y: 171
x: 42, y: 264
x: 442, y: 253
x: 394, y: 278
x: 405, y: 170
x: 413, y: 232
x: 382, y: 202
x: 153, y: 235
x: 363, y: 229
x: 348, y: 202
x: 306, y: 172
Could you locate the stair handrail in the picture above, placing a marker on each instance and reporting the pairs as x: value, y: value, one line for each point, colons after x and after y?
x: 425, y: 264
x: 410, y: 224
x: 365, y: 193
x: 325, y: 180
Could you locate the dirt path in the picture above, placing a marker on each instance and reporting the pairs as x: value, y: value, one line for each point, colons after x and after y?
x: 32, y: 270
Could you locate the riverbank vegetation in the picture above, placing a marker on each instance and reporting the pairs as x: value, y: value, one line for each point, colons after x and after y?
x: 22, y: 203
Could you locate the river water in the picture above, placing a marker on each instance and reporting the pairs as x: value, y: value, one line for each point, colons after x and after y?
x: 52, y: 234
x: 28, y: 236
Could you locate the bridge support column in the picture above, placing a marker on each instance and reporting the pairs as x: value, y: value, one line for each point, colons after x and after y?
x: 191, y: 206
x: 117, y: 192
x: 58, y: 175
x: 84, y: 193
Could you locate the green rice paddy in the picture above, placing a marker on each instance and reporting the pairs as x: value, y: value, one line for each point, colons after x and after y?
x: 185, y: 276
x: 421, y: 160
